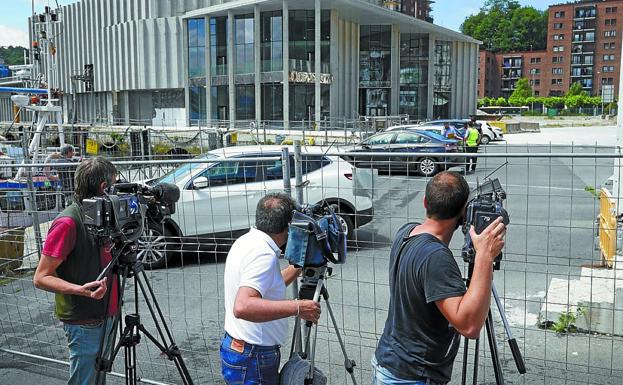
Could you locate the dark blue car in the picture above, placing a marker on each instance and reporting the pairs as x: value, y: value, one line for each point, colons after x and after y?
x: 420, y: 143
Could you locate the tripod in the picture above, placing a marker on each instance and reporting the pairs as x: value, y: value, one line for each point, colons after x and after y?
x: 313, y: 287
x: 126, y: 265
x: 493, y: 349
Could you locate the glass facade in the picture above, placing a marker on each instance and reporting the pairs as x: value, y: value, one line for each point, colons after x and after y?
x: 218, y: 46
x: 245, y: 102
x: 243, y: 44
x: 197, y: 100
x: 219, y: 102
x: 442, y: 81
x: 271, y: 29
x: 272, y: 101
x: 413, y: 97
x: 197, y: 69
x: 301, y: 34
x: 301, y: 102
x: 374, y: 69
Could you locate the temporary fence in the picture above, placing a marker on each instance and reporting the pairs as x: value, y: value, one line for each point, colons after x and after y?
x: 563, y: 307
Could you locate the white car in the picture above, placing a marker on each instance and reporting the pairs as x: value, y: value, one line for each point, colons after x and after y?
x: 218, y: 200
x: 489, y: 133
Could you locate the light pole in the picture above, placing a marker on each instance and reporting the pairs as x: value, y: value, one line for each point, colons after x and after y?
x: 532, y: 73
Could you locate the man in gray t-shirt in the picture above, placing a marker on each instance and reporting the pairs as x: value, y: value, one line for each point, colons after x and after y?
x: 430, y: 306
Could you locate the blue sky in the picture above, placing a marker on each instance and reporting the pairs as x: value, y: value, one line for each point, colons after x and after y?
x: 13, y: 29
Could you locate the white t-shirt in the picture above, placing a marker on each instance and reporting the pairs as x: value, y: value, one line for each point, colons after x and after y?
x: 253, y: 262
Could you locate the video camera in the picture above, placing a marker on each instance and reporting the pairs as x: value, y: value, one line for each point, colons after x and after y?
x: 121, y: 213
x: 483, y: 207
x: 316, y: 237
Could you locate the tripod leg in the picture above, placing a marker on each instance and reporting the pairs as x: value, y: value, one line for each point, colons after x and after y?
x: 495, y: 358
x: 465, y: 357
x: 349, y: 364
x: 169, y: 346
x: 476, y: 359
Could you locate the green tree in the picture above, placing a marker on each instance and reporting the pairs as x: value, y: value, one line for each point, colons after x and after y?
x: 522, y: 91
x: 554, y: 102
x: 504, y: 25
x: 576, y: 89
x: 501, y: 102
x: 12, y: 55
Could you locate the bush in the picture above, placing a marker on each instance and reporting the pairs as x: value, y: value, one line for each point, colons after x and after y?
x: 501, y: 102
x: 531, y: 113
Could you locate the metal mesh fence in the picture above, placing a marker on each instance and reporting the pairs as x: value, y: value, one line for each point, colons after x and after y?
x: 563, y: 307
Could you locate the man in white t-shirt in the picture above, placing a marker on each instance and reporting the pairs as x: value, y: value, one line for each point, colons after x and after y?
x: 256, y: 310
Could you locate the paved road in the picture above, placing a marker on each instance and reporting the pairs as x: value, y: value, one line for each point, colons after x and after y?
x: 551, y: 235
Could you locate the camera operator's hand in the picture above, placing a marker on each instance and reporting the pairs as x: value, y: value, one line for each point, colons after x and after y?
x: 95, y: 289
x: 490, y: 242
x: 309, y: 310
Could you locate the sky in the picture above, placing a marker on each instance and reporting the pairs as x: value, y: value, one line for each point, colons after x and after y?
x: 14, y: 31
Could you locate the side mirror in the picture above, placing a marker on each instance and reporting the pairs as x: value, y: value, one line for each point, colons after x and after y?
x: 200, y: 182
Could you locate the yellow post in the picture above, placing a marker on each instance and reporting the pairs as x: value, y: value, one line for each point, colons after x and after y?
x: 607, y: 227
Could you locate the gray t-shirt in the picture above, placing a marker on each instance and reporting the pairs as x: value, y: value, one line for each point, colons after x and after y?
x: 418, y: 342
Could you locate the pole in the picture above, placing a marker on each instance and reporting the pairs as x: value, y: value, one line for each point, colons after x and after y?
x: 298, y: 172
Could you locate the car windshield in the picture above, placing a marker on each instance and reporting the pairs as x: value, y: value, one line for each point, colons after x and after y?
x: 182, y: 171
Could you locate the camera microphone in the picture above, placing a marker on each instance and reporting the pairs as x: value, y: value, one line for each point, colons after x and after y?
x: 166, y: 192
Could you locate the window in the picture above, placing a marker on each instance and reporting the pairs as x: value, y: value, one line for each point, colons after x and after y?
x: 559, y: 37
x: 556, y: 82
x: 610, y: 33
x: 535, y: 71
x: 243, y: 44
x: 196, y: 47
x: 245, y: 101
x: 607, y: 69
x: 405, y: 137
x: 218, y: 45
x: 271, y: 28
x: 608, y: 57
x: 535, y: 82
x: 607, y: 81
x: 229, y: 173
x: 611, y: 21
x: 558, y: 25
x: 535, y: 60
x: 559, y: 14
x: 609, y: 45
x: 537, y: 93
x: 557, y: 59
x: 611, y: 9
x: 556, y: 71
x: 559, y: 48
x: 379, y: 139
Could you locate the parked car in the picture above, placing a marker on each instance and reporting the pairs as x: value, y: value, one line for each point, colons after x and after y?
x: 218, y: 200
x: 419, y: 142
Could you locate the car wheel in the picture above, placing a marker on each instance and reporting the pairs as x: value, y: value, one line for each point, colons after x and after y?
x: 485, y: 139
x: 346, y: 221
x: 428, y: 166
x: 156, y: 247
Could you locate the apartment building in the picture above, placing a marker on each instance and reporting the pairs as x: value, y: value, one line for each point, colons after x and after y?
x: 583, y: 45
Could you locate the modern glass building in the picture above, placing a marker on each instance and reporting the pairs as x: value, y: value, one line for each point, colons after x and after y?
x: 280, y: 61
x: 287, y: 61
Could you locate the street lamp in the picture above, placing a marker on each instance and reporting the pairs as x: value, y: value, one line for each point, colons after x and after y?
x: 532, y: 73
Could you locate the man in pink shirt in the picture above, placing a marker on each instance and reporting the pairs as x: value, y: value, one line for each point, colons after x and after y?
x: 71, y: 261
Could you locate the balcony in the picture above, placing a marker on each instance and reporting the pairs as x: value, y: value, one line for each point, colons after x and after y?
x: 584, y: 25
x: 585, y: 13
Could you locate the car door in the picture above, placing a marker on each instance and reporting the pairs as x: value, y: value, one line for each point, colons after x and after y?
x: 380, y: 145
x: 223, y: 204
x: 408, y: 142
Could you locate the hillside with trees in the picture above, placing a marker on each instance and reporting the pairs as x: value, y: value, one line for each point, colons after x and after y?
x: 12, y: 55
x: 504, y: 26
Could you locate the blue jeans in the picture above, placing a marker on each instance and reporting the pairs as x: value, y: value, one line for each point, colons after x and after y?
x: 255, y: 365
x: 84, y: 342
x: 382, y: 376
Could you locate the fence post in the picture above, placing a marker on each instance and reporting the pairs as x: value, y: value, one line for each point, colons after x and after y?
x: 298, y: 172
x: 287, y: 188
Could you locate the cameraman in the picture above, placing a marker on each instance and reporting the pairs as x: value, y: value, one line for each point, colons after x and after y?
x: 429, y: 304
x: 70, y: 263
x: 256, y: 310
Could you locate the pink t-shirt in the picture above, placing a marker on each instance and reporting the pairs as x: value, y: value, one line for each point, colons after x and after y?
x: 59, y: 244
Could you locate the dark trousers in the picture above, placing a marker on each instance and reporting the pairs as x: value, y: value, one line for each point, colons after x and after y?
x: 470, y: 164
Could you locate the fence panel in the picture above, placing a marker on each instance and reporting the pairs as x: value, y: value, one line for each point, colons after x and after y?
x: 564, y: 310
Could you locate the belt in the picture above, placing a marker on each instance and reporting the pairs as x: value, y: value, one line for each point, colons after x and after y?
x: 240, y: 345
